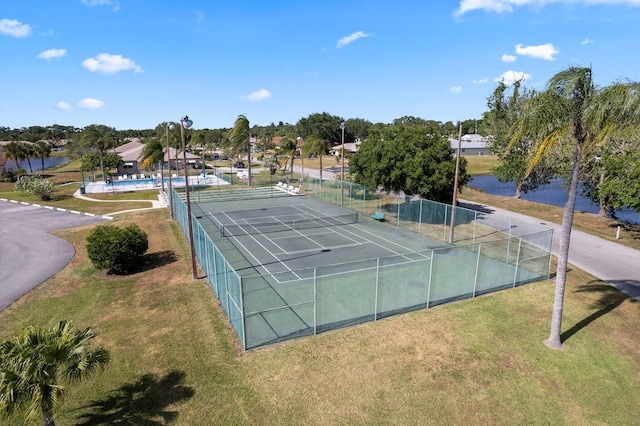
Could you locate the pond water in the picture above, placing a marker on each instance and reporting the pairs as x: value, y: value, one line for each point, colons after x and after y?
x: 36, y: 163
x: 553, y: 194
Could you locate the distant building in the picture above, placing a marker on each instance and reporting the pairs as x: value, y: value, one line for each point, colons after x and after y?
x: 471, y: 144
x: 349, y: 148
x: 131, y: 152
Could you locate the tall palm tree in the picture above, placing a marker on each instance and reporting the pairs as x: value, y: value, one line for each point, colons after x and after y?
x: 314, y: 145
x: 97, y: 137
x: 571, y: 110
x: 34, y: 364
x: 43, y: 150
x: 13, y: 151
x: 288, y: 148
x: 239, y: 139
x: 28, y: 151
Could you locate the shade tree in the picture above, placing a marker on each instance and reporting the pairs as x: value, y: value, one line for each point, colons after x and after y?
x: 409, y: 159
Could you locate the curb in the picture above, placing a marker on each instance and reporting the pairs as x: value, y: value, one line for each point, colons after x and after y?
x: 56, y: 208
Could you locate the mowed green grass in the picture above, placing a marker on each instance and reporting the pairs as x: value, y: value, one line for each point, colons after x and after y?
x: 176, y: 360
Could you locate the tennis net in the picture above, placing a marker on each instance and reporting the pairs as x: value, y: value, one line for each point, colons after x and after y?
x: 235, y: 230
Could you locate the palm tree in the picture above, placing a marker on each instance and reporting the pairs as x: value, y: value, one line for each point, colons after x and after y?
x: 19, y: 151
x: 34, y: 364
x: 13, y: 151
x: 314, y: 145
x: 152, y: 152
x: 239, y: 139
x: 43, y: 150
x: 28, y: 151
x: 97, y: 137
x: 288, y: 149
x: 572, y: 111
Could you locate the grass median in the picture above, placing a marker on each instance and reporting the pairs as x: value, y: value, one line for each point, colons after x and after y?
x: 176, y: 360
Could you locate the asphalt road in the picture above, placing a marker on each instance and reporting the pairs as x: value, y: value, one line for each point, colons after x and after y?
x: 609, y: 261
x: 29, y: 254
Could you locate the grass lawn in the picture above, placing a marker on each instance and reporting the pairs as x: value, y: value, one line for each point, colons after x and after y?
x: 67, y: 180
x: 175, y: 359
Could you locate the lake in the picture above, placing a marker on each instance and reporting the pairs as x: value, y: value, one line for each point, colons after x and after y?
x: 554, y: 194
x: 36, y: 163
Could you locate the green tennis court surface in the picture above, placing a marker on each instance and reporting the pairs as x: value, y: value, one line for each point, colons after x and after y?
x: 286, y: 265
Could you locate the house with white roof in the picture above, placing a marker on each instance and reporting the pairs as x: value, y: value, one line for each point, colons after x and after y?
x: 471, y: 144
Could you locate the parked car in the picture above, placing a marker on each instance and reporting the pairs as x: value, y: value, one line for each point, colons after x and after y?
x: 239, y: 165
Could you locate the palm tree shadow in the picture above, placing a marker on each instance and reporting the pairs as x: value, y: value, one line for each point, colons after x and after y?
x: 610, y: 298
x: 148, y: 401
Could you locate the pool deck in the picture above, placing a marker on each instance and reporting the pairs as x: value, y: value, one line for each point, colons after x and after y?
x: 101, y: 187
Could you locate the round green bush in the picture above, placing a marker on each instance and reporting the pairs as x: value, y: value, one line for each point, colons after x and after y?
x: 117, y: 250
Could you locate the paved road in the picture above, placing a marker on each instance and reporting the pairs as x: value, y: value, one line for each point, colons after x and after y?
x: 29, y: 254
x: 611, y: 262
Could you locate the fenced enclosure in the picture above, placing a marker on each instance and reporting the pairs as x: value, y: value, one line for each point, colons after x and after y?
x: 364, y: 281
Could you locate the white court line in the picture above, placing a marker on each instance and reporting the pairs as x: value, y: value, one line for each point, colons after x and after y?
x: 300, y: 234
x: 261, y: 245
x: 380, y: 238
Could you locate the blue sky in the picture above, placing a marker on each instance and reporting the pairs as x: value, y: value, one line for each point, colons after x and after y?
x: 132, y: 64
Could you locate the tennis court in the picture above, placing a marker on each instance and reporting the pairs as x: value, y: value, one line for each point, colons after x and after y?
x: 287, y: 265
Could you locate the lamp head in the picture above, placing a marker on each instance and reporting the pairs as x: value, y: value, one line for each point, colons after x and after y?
x: 170, y: 126
x: 342, y: 126
x: 186, y: 123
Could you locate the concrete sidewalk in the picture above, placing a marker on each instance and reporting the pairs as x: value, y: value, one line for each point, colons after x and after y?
x: 611, y: 262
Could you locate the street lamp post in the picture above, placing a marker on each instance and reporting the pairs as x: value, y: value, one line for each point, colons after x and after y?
x: 203, y: 168
x: 342, y: 171
x: 185, y: 124
x: 170, y: 187
x: 455, y: 188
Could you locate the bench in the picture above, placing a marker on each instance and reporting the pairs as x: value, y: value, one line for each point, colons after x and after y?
x: 378, y: 216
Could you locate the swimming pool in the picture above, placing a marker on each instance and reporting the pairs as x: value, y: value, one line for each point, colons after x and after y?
x: 148, y: 183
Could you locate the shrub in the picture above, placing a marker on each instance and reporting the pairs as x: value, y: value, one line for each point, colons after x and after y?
x: 117, y: 250
x: 35, y: 185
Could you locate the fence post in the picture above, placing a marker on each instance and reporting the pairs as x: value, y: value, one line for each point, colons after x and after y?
x: 420, y: 218
x: 430, y: 276
x: 375, y: 307
x: 315, y: 302
x: 475, y: 279
x: 244, y: 325
x: 515, y: 275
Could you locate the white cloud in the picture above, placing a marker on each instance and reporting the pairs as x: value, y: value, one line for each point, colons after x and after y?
x: 500, y: 6
x: 351, y: 38
x: 455, y: 89
x: 259, y: 95
x: 201, y: 17
x: 509, y: 77
x: 92, y: 3
x: 543, y: 51
x: 14, y: 28
x: 508, y: 58
x: 53, y: 53
x: 481, y: 81
x: 586, y: 41
x: 110, y: 64
x: 91, y: 103
x: 63, y: 106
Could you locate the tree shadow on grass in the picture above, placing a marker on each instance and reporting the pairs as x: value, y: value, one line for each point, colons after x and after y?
x: 148, y: 401
x: 155, y: 260
x: 609, y: 299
